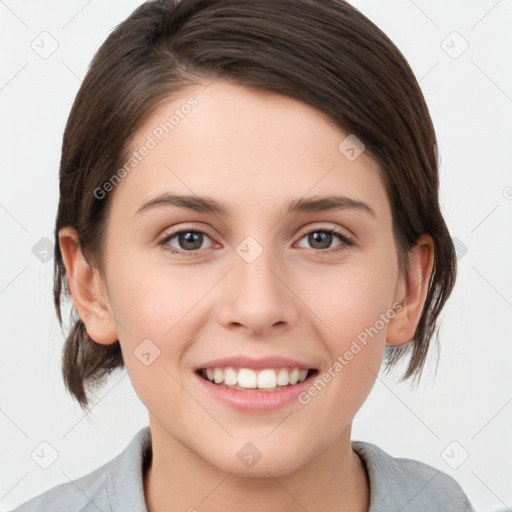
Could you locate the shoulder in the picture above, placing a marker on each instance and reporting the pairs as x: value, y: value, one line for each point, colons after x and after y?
x: 116, y: 485
x: 407, y: 484
x: 83, y: 494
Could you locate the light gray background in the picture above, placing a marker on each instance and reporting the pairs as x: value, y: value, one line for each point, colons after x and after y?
x: 469, y: 401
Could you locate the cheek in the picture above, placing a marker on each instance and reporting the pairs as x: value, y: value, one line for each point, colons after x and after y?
x: 152, y: 307
x: 159, y: 303
x: 150, y: 299
x: 351, y: 298
x: 355, y: 306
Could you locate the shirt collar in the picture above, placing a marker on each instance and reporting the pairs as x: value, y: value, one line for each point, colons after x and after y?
x: 125, y: 488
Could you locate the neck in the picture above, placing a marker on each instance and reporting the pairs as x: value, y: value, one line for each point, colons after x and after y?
x: 335, y: 480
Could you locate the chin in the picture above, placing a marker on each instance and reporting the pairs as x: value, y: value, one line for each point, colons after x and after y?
x: 274, y: 464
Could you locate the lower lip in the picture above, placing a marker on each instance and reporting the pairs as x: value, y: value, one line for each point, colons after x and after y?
x: 256, y: 401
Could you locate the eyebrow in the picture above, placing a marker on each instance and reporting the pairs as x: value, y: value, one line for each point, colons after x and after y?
x: 210, y: 205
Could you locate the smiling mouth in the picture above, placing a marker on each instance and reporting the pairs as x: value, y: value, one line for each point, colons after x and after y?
x: 247, y: 379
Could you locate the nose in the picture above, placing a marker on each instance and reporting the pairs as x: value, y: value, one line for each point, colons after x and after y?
x: 258, y: 296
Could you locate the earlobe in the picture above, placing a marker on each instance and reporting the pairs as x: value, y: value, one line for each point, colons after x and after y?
x: 85, y: 285
x: 412, y: 292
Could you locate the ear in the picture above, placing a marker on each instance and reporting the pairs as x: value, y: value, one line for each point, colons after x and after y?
x: 412, y: 292
x: 87, y: 290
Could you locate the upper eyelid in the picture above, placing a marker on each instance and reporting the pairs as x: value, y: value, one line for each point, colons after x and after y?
x: 321, y: 226
x: 171, y: 233
x: 327, y: 227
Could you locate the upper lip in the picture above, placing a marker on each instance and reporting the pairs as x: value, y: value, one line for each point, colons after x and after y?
x: 251, y: 362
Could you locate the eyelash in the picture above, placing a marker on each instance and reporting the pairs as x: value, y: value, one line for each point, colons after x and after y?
x: 346, y: 241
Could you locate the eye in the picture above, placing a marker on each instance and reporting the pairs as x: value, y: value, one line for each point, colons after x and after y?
x: 322, y: 238
x: 186, y: 241
x: 190, y: 241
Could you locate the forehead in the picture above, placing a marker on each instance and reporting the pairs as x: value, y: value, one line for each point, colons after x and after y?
x: 247, y: 147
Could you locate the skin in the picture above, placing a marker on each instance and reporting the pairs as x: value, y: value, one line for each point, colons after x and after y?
x: 255, y: 151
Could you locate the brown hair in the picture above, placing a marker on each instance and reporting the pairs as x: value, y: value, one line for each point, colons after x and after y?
x: 324, y: 53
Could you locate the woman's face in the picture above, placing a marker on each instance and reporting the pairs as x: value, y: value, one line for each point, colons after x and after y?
x: 257, y: 280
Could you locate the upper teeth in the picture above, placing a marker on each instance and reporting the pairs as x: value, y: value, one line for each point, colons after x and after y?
x: 248, y: 378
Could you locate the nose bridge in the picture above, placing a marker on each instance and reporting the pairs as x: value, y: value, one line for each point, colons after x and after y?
x: 255, y: 295
x: 253, y: 269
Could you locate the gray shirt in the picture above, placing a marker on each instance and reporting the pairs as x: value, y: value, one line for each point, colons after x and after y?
x: 396, y: 484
